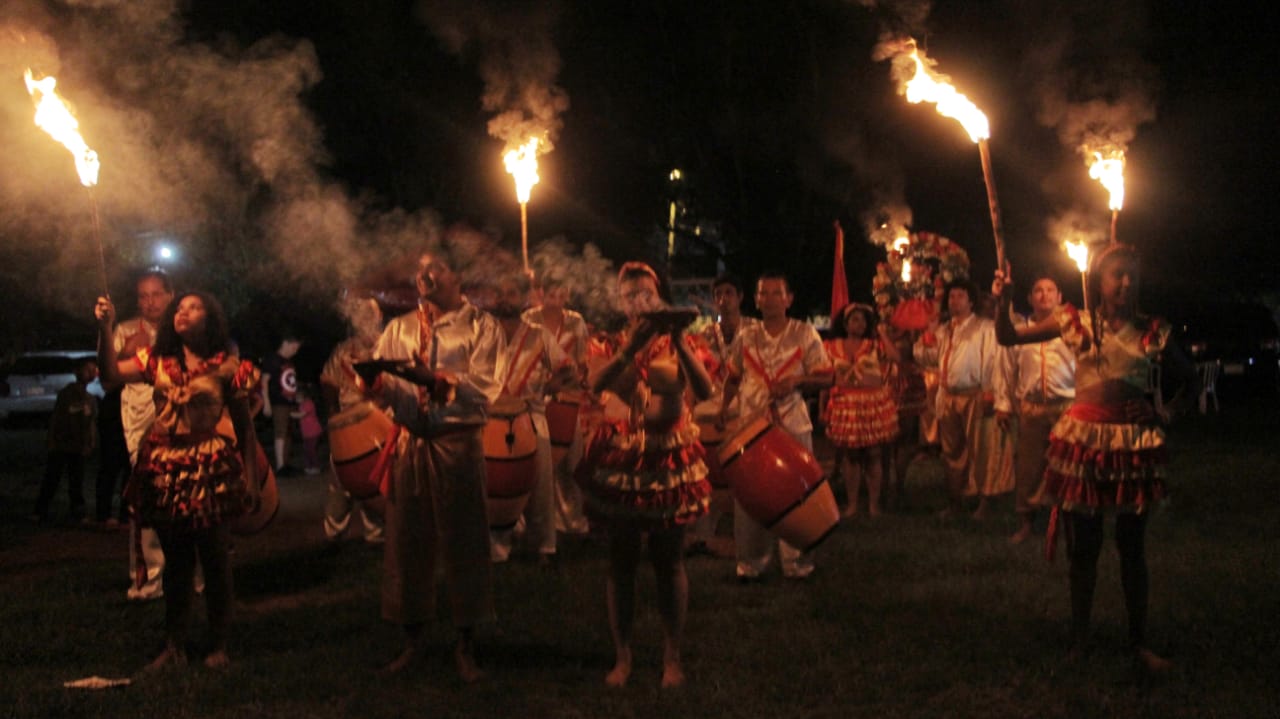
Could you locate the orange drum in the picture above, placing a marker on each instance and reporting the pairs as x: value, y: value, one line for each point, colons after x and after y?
x: 510, y: 462
x: 356, y: 436
x: 562, y: 423
x: 260, y: 517
x: 779, y: 483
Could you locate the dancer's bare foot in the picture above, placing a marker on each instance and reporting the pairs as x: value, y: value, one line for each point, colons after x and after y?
x: 981, y: 512
x: 468, y: 671
x: 1153, y: 663
x: 217, y: 659
x: 410, y: 655
x: 946, y: 513
x: 849, y: 513
x: 170, y: 657
x: 874, y: 511
x: 1022, y: 535
x: 672, y: 675
x: 621, y: 672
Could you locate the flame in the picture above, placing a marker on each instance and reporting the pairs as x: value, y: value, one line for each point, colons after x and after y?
x: 906, y: 270
x: 900, y: 244
x: 53, y: 117
x: 522, y: 163
x: 1079, y: 253
x: 931, y: 87
x: 1109, y: 171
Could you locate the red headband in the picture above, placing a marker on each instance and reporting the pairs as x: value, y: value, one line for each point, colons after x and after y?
x: 634, y: 266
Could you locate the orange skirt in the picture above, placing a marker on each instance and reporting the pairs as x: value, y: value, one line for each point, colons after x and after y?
x: 859, y: 418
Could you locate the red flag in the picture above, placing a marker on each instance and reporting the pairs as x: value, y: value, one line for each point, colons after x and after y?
x: 839, y: 285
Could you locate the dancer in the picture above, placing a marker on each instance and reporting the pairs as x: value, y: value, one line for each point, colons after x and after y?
x: 1107, y: 451
x: 863, y: 417
x: 643, y: 472
x: 189, y: 480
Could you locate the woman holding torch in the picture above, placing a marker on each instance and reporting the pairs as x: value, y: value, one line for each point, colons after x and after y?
x: 190, y: 479
x: 1107, y: 452
x: 643, y: 471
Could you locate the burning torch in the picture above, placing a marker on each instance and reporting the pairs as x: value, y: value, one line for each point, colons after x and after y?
x: 522, y: 164
x: 928, y: 86
x: 1079, y: 253
x: 53, y: 116
x: 1108, y: 169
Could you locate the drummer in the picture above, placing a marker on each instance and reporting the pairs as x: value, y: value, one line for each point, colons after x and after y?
x: 643, y: 472
x: 439, y: 393
x: 718, y: 336
x: 530, y: 366
x: 770, y: 364
x: 569, y: 330
x: 343, y: 389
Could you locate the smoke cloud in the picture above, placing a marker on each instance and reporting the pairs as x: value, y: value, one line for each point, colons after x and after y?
x: 517, y: 60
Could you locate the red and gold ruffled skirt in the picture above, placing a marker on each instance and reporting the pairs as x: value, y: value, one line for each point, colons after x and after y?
x: 1096, y: 464
x: 189, y: 480
x: 656, y: 480
x: 858, y: 418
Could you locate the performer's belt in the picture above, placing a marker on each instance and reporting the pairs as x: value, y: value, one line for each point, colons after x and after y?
x: 967, y: 392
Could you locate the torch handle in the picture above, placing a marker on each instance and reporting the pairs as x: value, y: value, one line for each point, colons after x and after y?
x: 524, y: 233
x: 993, y: 202
x: 1115, y: 215
x: 97, y: 236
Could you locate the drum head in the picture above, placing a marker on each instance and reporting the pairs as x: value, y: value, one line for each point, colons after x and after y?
x: 507, y: 406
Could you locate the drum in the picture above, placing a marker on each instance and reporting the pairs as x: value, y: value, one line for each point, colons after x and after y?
x: 356, y: 436
x: 562, y: 423
x: 260, y: 517
x: 510, y: 462
x: 779, y: 484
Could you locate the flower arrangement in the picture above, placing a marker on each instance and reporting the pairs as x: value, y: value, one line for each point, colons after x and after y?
x: 908, y: 302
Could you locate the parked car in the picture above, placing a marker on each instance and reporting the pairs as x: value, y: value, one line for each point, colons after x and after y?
x: 31, y: 384
x: 1241, y: 338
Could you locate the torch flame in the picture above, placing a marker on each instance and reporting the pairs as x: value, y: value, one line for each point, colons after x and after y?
x: 522, y: 163
x: 931, y: 87
x: 900, y: 244
x: 1079, y: 253
x: 1109, y: 171
x: 53, y: 117
x: 906, y: 270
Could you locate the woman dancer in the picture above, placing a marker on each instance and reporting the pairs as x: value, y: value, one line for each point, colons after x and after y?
x: 862, y: 415
x: 190, y: 478
x: 643, y: 471
x: 1107, y: 451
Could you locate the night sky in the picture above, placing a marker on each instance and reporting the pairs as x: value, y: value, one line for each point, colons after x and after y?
x: 776, y: 113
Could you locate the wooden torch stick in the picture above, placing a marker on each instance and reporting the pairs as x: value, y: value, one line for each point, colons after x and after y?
x: 524, y: 233
x: 1115, y: 215
x: 993, y: 201
x: 97, y: 236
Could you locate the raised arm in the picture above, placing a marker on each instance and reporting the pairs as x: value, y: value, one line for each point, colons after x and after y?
x: 114, y: 372
x: 1009, y: 334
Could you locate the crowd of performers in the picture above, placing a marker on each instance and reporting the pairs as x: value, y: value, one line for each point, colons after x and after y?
x: 1055, y: 406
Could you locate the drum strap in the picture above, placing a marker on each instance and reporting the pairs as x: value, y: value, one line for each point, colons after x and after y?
x: 515, y: 360
x: 381, y: 474
x: 757, y: 365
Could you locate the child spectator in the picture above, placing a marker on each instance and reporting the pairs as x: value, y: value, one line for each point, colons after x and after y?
x: 72, y: 437
x: 311, y: 429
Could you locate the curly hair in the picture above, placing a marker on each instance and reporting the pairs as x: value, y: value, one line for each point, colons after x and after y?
x: 217, y: 335
x: 868, y: 314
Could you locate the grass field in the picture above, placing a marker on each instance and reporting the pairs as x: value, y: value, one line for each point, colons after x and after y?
x: 907, y: 616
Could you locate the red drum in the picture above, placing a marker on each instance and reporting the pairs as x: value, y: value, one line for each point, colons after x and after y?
x: 562, y: 424
x: 260, y: 517
x: 356, y: 436
x: 510, y: 462
x: 779, y: 483
x: 711, y: 439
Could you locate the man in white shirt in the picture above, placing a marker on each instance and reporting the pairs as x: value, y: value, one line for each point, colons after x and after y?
x: 967, y: 351
x: 1035, y: 383
x: 770, y: 364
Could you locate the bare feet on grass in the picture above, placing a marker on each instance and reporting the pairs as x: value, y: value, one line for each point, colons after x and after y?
x: 171, y: 657
x: 1020, y: 536
x: 1153, y: 663
x: 621, y: 672
x: 468, y: 671
x: 409, y: 656
x: 672, y: 672
x: 217, y: 659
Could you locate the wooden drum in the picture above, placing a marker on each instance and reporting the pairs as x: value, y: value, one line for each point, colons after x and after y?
x: 779, y: 484
x: 356, y: 436
x: 510, y: 459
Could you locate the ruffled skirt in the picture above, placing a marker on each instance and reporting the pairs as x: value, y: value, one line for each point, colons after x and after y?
x: 860, y: 418
x: 1093, y: 466
x: 655, y: 480
x: 195, y: 482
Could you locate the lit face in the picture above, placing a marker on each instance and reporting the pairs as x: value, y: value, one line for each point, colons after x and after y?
x: 958, y: 302
x: 773, y: 297
x: 1045, y: 296
x: 435, y: 278
x: 728, y: 299
x: 152, y: 299
x: 639, y: 295
x: 855, y: 324
x: 510, y: 300
x: 555, y: 297
x: 1118, y: 281
x: 190, y: 316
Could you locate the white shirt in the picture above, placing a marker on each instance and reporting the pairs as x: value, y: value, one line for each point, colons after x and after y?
x: 527, y: 362
x: 466, y: 343
x: 137, y: 399
x: 967, y: 354
x: 571, y: 337
x: 1043, y: 372
x: 794, y: 352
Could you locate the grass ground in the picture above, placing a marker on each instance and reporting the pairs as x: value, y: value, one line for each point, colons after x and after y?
x: 907, y: 616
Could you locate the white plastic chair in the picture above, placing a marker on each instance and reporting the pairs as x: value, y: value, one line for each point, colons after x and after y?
x: 1208, y: 385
